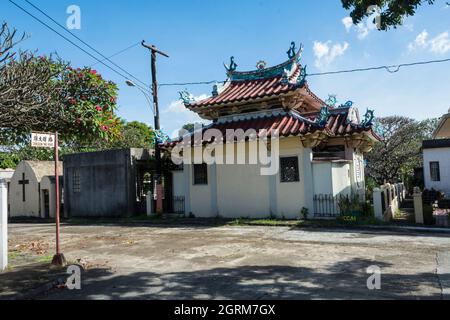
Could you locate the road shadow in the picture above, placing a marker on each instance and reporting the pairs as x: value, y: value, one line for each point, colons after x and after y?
x: 20, y: 281
x: 343, y: 280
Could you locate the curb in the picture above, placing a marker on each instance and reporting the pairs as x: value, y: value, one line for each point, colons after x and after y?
x: 42, y: 290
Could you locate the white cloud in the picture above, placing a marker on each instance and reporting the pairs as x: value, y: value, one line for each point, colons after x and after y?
x: 326, y: 52
x: 348, y: 23
x: 421, y: 41
x: 439, y: 44
x: 178, y: 115
x: 361, y: 29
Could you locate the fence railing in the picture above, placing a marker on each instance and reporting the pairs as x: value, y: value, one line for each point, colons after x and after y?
x: 326, y: 206
x: 179, y: 205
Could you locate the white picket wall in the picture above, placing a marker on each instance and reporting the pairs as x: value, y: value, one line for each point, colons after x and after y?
x: 387, y: 200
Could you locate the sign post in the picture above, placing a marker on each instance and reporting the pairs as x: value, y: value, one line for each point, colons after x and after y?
x: 50, y: 140
x: 3, y: 225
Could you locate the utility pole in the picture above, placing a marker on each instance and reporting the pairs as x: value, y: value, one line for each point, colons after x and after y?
x: 59, y: 258
x: 158, y: 178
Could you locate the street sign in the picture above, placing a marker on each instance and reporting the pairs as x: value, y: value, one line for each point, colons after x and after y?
x: 42, y: 140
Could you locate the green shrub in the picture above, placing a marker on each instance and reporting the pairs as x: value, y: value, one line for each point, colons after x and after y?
x: 304, y: 213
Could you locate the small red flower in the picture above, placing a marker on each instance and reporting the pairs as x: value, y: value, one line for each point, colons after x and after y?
x: 93, y: 72
x: 99, y: 109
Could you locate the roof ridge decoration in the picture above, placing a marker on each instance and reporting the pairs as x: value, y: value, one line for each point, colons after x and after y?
x: 368, y: 119
x: 290, y: 65
x: 186, y: 97
x: 324, y: 115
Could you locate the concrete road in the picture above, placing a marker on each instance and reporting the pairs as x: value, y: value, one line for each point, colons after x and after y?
x: 145, y: 262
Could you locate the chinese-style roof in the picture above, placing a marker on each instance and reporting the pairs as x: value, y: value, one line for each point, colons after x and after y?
x: 288, y: 78
x: 338, y: 123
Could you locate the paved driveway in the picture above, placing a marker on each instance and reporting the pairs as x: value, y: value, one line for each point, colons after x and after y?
x: 144, y: 262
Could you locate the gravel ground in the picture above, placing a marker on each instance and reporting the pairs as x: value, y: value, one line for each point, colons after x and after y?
x: 147, y: 262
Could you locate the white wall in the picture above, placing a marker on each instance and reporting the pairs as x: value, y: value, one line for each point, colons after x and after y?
x: 235, y: 191
x: 29, y: 208
x: 178, y: 184
x: 291, y: 196
x: 443, y: 156
x: 341, y: 178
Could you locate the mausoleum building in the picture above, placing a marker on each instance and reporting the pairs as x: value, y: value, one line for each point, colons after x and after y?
x: 319, y: 150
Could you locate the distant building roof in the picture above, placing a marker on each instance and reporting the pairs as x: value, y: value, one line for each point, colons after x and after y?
x: 443, y: 129
x: 44, y: 168
x: 436, y: 144
x: 6, y: 174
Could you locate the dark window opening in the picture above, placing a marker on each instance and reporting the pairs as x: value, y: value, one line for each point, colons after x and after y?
x: 289, y: 169
x: 76, y: 182
x: 329, y: 153
x: 200, y: 174
x: 435, y: 171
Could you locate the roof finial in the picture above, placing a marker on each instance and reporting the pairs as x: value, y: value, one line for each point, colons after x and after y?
x: 232, y: 67
x: 292, y: 50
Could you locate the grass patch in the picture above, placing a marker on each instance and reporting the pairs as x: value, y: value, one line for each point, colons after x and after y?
x: 45, y: 259
x: 265, y: 222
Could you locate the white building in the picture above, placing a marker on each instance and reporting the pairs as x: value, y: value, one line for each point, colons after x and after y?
x: 320, y: 156
x: 436, y: 158
x: 31, y: 189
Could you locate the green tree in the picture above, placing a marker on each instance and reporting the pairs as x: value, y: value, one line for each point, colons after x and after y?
x: 399, y: 153
x: 135, y: 135
x: 392, y: 11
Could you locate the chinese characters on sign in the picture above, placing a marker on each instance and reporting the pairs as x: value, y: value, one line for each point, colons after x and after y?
x: 42, y: 140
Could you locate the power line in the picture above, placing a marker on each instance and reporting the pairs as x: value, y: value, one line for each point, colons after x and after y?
x: 389, y: 68
x: 119, y: 52
x: 86, y: 44
x: 190, y: 83
x: 68, y: 40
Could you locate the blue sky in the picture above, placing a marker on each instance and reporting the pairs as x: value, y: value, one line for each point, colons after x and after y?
x: 201, y: 35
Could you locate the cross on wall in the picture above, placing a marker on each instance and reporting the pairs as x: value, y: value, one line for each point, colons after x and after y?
x: 23, y: 182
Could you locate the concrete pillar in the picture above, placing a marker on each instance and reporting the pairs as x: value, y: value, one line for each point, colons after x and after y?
x: 309, y: 181
x: 149, y: 200
x: 418, y: 206
x: 187, y: 187
x: 213, y: 181
x: 3, y: 225
x: 377, y: 204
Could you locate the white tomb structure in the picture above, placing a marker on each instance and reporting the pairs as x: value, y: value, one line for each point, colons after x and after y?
x: 3, y: 225
x: 436, y: 157
x: 31, y: 189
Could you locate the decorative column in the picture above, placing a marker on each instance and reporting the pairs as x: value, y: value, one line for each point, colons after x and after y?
x: 3, y: 225
x: 377, y: 204
x: 418, y: 206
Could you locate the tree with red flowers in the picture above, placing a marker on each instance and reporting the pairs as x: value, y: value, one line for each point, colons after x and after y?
x: 45, y: 94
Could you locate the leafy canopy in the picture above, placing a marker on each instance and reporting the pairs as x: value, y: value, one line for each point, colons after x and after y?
x: 392, y: 12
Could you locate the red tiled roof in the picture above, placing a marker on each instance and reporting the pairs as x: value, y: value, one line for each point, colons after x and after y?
x: 288, y: 123
x: 244, y: 90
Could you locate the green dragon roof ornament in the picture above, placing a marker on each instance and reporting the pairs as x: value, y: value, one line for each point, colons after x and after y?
x: 186, y: 97
x: 292, y: 52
